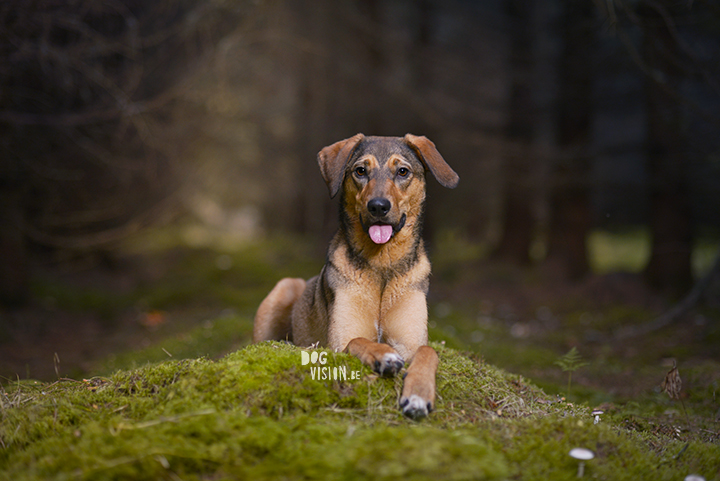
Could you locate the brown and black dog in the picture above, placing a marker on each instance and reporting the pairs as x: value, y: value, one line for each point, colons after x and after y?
x: 370, y: 297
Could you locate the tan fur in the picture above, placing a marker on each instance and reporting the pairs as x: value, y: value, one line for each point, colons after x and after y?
x: 369, y: 299
x: 420, y: 377
x: 277, y: 307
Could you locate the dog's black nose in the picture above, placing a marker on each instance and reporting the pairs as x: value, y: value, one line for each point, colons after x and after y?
x: 378, y: 206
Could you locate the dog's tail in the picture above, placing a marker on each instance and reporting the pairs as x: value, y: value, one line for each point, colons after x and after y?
x: 273, y: 321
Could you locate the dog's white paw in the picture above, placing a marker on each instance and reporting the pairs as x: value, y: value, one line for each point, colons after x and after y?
x: 389, y: 365
x: 415, y: 407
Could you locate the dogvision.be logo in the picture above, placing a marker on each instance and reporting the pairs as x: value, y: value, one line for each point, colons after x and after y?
x: 320, y: 372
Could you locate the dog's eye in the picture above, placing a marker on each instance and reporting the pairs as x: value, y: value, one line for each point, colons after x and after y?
x: 403, y: 172
x: 360, y: 171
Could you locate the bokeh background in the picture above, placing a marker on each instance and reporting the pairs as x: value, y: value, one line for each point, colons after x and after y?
x: 158, y: 173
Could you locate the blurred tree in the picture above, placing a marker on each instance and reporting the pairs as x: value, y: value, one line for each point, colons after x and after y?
x: 667, y: 149
x: 87, y: 92
x: 13, y: 256
x: 675, y: 45
x: 518, y: 217
x: 570, y: 210
x: 298, y: 200
x: 319, y: 88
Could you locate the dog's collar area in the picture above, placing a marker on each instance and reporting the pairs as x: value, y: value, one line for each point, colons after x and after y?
x: 381, y: 233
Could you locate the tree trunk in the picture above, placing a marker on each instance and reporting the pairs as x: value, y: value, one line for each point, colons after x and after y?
x: 570, y: 197
x: 519, y: 221
x: 310, y: 206
x: 670, y: 217
x: 14, y: 288
x: 298, y: 202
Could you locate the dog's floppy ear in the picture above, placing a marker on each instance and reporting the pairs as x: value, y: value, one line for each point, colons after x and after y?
x: 433, y: 161
x: 332, y: 160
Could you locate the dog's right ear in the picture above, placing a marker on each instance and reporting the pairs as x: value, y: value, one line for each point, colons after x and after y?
x: 332, y: 160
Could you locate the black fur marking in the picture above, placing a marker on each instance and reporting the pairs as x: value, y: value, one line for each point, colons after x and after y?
x: 400, y: 224
x: 326, y: 289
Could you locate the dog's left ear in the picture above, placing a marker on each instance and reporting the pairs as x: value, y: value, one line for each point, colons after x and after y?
x: 433, y: 161
x: 332, y: 160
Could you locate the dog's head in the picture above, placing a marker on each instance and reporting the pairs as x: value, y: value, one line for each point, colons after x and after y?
x: 383, y: 179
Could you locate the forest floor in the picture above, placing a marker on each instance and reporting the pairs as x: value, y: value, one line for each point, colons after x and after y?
x: 157, y: 301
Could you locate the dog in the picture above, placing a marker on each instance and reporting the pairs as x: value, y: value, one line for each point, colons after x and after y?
x: 370, y: 297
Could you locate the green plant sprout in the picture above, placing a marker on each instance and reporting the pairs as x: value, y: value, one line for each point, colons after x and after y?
x: 571, y: 362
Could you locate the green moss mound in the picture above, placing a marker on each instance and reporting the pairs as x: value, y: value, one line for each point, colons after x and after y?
x: 258, y: 413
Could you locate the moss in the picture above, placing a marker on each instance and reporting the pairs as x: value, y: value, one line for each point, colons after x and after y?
x: 257, y: 413
x: 545, y: 444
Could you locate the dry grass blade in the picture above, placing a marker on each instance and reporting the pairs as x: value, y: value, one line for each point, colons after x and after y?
x: 672, y: 383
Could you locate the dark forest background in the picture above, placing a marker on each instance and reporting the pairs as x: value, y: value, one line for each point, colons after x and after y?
x: 561, y: 117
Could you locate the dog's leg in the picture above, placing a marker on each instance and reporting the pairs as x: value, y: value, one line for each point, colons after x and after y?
x: 273, y: 318
x: 418, y: 395
x: 353, y: 329
x: 380, y: 357
x: 405, y: 329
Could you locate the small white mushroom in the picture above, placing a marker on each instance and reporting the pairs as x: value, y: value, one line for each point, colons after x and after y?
x: 582, y: 455
x: 694, y: 477
x: 596, y: 414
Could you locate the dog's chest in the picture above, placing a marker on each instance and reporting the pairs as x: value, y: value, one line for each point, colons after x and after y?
x: 380, y: 289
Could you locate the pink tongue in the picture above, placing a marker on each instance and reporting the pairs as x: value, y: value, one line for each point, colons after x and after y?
x: 380, y: 234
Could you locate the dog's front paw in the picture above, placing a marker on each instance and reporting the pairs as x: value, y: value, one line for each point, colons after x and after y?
x: 388, y: 365
x: 380, y: 357
x: 415, y: 407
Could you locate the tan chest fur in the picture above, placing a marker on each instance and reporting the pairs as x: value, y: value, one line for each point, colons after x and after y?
x: 379, y: 289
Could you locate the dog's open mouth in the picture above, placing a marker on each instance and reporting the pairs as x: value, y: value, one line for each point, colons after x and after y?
x: 382, y: 233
